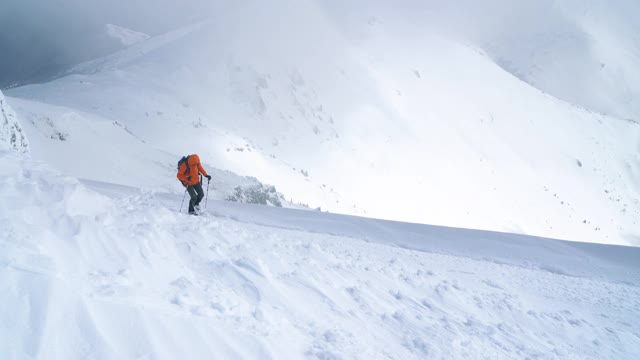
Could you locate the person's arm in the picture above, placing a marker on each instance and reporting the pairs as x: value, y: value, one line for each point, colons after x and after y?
x: 203, y: 171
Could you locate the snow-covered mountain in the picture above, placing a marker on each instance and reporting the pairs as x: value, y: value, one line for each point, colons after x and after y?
x: 583, y: 52
x: 495, y: 115
x: 357, y: 113
x: 93, y: 147
x: 100, y: 271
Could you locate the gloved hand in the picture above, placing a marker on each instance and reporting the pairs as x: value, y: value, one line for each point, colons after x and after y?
x: 188, y: 178
x: 209, y: 177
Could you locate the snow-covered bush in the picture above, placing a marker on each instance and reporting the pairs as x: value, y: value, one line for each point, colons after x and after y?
x: 12, y: 137
x: 257, y: 194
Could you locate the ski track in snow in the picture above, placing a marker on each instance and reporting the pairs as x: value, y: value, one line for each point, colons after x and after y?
x: 96, y: 271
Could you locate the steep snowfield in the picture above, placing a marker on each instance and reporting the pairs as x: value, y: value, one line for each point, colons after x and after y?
x: 585, y: 52
x: 92, y: 147
x: 369, y: 117
x: 94, y: 270
x: 12, y: 137
x: 85, y: 143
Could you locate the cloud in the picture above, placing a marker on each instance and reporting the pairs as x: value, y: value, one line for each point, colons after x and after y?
x: 40, y: 38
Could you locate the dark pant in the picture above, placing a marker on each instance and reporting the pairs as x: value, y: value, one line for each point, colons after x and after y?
x: 197, y: 194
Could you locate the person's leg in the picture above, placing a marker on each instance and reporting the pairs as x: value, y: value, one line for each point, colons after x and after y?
x: 194, y: 197
x: 200, y: 195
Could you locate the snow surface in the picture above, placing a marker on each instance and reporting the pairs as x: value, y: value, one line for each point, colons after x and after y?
x: 102, y: 271
x: 11, y: 135
x: 363, y: 115
x: 92, y: 147
x: 585, y: 52
x: 412, y: 111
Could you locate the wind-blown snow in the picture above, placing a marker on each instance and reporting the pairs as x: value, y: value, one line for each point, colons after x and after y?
x: 11, y: 135
x: 91, y: 270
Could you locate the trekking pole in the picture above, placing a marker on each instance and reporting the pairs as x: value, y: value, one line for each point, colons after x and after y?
x: 207, y: 197
x: 183, y: 197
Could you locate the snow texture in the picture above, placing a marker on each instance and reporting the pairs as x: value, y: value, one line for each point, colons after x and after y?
x: 424, y: 112
x: 111, y: 152
x: 95, y: 270
x: 11, y: 135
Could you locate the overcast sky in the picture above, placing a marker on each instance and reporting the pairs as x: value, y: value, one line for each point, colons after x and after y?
x: 41, y: 37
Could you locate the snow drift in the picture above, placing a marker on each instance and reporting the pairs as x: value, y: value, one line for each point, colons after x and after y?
x: 94, y: 270
x: 356, y: 110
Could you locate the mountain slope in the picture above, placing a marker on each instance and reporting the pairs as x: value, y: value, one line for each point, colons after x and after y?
x: 584, y: 52
x: 91, y: 270
x: 397, y: 124
x: 92, y: 147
